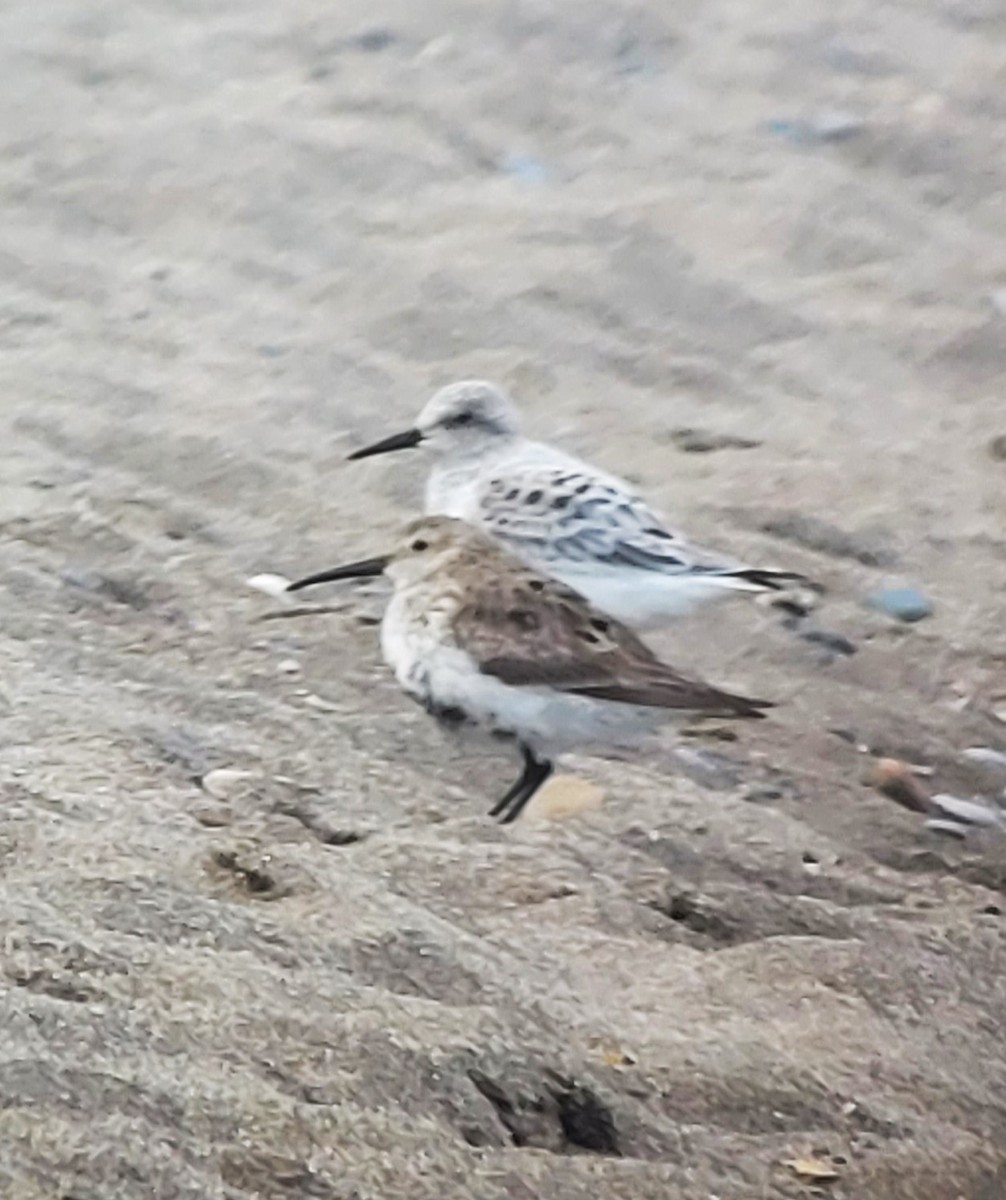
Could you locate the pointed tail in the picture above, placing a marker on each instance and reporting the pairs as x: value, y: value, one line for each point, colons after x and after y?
x: 773, y: 581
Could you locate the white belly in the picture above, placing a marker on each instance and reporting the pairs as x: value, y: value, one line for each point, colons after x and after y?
x: 443, y: 679
x: 417, y: 643
x: 642, y: 599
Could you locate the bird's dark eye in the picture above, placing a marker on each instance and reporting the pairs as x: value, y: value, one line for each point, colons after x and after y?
x: 420, y: 545
x: 463, y: 418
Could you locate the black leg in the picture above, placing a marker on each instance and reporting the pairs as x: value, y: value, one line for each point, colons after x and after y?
x: 542, y: 770
x: 522, y: 781
x: 533, y: 776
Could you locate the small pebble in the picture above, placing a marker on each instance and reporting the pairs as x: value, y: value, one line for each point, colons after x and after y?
x: 847, y: 735
x: 836, y: 126
x: 895, y: 780
x: 313, y: 701
x: 373, y: 41
x: 288, y: 666
x: 524, y: 168
x: 212, y: 816
x: 762, y: 793
x: 903, y: 603
x: 997, y: 448
x: 224, y: 782
x: 986, y: 757
x: 826, y: 127
x: 834, y: 643
x: 950, y: 828
x: 703, y: 441
x: 972, y: 812
x: 812, y: 1166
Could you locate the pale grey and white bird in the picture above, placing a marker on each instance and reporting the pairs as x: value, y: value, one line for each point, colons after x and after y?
x: 569, y: 519
x: 486, y: 643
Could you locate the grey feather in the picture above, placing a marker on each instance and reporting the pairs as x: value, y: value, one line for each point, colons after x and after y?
x: 555, y: 514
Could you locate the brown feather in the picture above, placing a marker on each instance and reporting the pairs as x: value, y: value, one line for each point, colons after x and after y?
x: 528, y: 630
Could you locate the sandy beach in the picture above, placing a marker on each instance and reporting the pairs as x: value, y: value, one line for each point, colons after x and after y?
x: 260, y: 940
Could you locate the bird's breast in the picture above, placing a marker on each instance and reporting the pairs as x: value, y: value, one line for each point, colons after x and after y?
x: 414, y: 632
x: 452, y: 490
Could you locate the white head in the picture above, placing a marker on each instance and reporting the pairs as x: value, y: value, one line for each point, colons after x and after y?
x: 466, y: 414
x: 459, y: 420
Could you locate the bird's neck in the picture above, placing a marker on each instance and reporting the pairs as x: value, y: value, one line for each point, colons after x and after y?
x: 481, y: 449
x: 455, y: 473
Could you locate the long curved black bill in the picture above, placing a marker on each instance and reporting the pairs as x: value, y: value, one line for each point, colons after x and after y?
x: 397, y: 441
x: 357, y: 570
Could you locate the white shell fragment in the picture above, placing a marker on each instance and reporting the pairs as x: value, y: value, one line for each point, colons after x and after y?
x: 972, y: 812
x: 224, y: 782
x: 272, y: 585
x: 986, y: 757
x: 951, y: 828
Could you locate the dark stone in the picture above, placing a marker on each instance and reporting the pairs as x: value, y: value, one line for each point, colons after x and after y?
x: 703, y: 441
x: 834, y: 643
x: 374, y: 40
x: 586, y: 1121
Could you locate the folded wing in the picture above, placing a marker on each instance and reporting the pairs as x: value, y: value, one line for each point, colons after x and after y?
x: 570, y: 515
x: 531, y: 631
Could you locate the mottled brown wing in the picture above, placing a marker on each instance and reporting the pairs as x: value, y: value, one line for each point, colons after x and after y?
x: 527, y: 630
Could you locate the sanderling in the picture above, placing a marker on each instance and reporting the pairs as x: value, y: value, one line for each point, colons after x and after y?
x: 486, y: 642
x: 563, y: 516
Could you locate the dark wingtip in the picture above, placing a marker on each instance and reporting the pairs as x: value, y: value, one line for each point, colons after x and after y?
x: 748, y: 706
x: 776, y: 581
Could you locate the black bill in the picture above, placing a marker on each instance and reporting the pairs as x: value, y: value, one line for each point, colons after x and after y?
x: 397, y: 441
x: 357, y: 570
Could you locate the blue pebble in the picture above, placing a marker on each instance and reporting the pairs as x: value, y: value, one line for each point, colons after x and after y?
x: 798, y: 132
x: 525, y: 168
x: 902, y: 603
